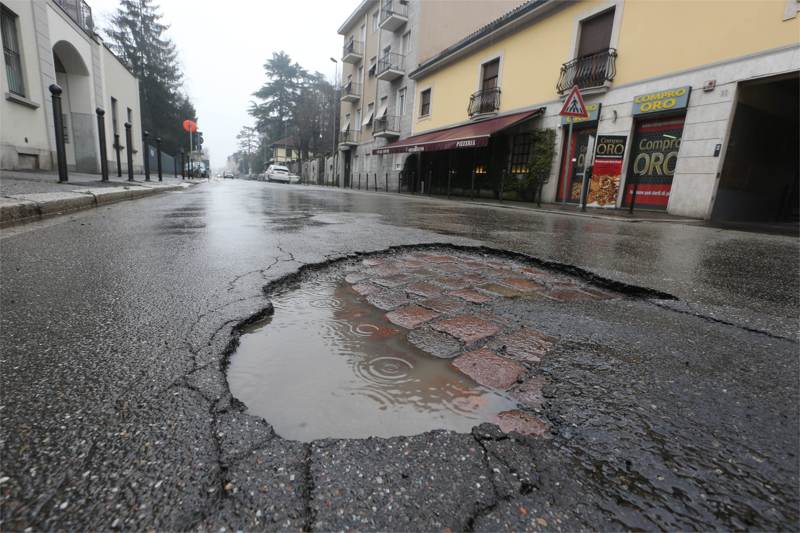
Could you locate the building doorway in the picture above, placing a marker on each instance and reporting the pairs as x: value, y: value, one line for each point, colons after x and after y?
x: 760, y: 179
x: 348, y: 168
x: 574, y: 162
x: 653, y: 157
x: 72, y: 75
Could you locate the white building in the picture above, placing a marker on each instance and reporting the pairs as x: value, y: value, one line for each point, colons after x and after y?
x: 53, y: 41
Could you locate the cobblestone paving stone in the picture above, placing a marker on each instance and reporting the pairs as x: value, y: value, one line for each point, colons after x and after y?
x: 456, y: 305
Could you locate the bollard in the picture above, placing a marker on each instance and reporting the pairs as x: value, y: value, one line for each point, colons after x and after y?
x: 101, y: 133
x: 119, y: 159
x: 387, y: 182
x: 175, y: 166
x: 449, y: 177
x: 183, y: 166
x: 58, y: 121
x: 146, y: 148
x: 502, y: 182
x: 158, y: 151
x: 359, y: 181
x: 128, y: 148
x: 375, y: 181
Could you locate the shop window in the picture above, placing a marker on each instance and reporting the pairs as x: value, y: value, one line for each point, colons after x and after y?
x: 425, y: 103
x: 595, y: 34
x: 12, y: 52
x: 521, y: 153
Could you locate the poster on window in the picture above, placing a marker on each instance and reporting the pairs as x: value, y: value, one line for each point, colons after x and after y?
x: 607, y: 171
x: 654, y: 154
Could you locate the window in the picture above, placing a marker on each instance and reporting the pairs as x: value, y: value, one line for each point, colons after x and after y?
x: 375, y: 21
x: 371, y: 67
x: 288, y: 153
x: 596, y: 34
x: 358, y: 116
x: 384, y: 107
x: 11, y: 52
x: 491, y: 70
x: 368, y: 117
x: 425, y: 103
x: 363, y: 33
x: 405, y: 43
x: 346, y: 125
x: 360, y: 73
x: 401, y: 102
x: 521, y: 153
x: 114, y: 119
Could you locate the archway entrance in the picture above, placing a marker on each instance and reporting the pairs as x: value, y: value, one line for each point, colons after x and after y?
x: 72, y: 75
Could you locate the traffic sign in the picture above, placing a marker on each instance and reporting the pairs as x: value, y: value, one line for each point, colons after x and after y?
x: 573, y: 105
x: 190, y: 126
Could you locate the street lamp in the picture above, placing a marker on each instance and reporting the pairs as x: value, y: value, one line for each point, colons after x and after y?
x: 333, y: 113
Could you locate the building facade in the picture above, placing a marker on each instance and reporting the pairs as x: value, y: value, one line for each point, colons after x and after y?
x: 384, y: 40
x: 693, y: 109
x: 53, y: 41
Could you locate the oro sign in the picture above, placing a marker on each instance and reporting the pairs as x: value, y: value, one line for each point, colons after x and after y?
x: 668, y: 100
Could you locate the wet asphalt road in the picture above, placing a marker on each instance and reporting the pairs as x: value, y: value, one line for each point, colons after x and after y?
x: 115, y: 415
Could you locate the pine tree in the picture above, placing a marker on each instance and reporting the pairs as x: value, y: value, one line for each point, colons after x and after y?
x: 137, y: 37
x: 279, y: 95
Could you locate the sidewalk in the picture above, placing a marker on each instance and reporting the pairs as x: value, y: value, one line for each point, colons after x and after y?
x: 26, y: 196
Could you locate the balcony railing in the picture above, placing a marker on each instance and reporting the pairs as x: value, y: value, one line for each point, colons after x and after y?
x: 386, y: 126
x: 394, y: 13
x: 351, y: 91
x: 80, y: 12
x: 484, y: 101
x: 390, y: 66
x: 352, y: 52
x: 588, y: 71
x: 348, y: 137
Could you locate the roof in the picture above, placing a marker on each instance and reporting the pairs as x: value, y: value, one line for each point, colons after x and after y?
x: 507, y: 22
x: 470, y: 135
x: 362, y: 8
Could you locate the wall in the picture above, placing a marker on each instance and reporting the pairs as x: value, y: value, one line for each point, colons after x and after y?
x: 29, y: 134
x: 119, y: 83
x: 653, y: 41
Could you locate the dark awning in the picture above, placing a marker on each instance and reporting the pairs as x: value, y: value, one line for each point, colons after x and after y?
x: 459, y: 137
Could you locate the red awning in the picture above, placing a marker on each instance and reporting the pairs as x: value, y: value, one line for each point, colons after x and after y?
x: 457, y: 138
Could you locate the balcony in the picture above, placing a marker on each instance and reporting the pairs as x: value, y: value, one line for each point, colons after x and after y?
x: 387, y: 126
x: 587, y: 72
x: 80, y: 12
x: 348, y: 138
x: 394, y: 14
x: 484, y: 102
x: 351, y: 92
x: 390, y: 67
x: 352, y: 52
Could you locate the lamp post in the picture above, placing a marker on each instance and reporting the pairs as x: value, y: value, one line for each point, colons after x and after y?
x: 333, y: 113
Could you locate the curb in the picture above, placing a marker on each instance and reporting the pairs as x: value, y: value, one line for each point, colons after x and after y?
x: 23, y: 208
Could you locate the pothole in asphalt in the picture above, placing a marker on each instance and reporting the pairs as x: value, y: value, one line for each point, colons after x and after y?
x: 403, y: 343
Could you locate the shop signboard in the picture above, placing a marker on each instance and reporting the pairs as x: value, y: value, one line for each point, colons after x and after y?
x: 607, y: 171
x: 592, y: 109
x: 654, y: 154
x: 659, y: 101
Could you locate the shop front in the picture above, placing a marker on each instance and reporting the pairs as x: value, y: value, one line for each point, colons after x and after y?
x: 468, y: 160
x: 574, y: 153
x: 657, y: 132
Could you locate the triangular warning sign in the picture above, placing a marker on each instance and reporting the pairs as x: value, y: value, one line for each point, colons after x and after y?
x: 573, y: 105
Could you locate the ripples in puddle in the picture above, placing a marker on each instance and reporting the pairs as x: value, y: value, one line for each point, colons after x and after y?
x: 328, y: 364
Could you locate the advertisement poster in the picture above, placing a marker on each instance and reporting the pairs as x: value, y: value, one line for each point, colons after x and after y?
x: 574, y: 165
x: 654, y: 154
x: 607, y: 173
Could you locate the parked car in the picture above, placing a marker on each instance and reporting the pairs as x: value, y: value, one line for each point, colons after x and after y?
x: 278, y: 173
x: 227, y: 175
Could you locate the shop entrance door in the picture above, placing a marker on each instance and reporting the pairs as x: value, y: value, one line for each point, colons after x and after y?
x: 654, y: 154
x: 572, y: 164
x: 347, y: 177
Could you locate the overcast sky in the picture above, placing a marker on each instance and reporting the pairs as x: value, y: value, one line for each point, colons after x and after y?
x: 223, y: 45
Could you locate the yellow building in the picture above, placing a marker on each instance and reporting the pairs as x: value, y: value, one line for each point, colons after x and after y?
x: 693, y: 104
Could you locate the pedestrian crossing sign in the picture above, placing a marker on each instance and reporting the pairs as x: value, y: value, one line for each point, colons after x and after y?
x: 573, y: 105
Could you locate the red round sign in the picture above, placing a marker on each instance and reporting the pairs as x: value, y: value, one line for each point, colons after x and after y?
x: 190, y: 126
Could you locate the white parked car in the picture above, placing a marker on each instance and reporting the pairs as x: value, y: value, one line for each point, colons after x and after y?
x: 280, y: 173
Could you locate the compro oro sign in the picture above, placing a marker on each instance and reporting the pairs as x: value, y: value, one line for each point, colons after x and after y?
x: 669, y: 100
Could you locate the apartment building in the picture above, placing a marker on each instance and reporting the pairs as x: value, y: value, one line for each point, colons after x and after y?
x: 693, y: 110
x: 384, y: 40
x: 53, y: 41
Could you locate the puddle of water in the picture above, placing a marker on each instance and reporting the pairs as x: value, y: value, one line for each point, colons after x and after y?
x: 329, y: 364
